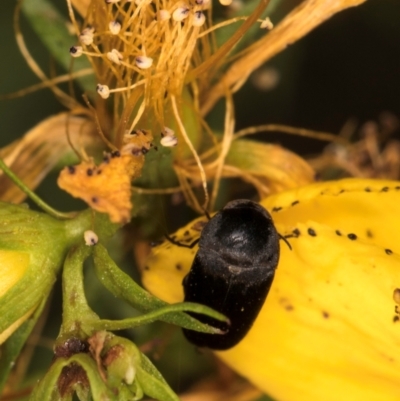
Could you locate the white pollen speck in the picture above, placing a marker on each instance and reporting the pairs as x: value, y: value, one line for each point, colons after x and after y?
x: 169, y: 141
x: 115, y: 56
x: 164, y: 15
x: 130, y: 375
x: 180, y: 14
x: 76, y: 51
x: 90, y: 237
x: 114, y: 27
x: 103, y: 91
x: 267, y: 24
x: 144, y: 62
x: 199, y: 18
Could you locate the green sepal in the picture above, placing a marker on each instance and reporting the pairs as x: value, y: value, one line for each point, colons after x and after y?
x: 52, y: 387
x: 45, y: 240
x: 147, y: 379
x: 123, y: 287
x: 158, y: 170
x: 153, y: 383
x: 12, y: 347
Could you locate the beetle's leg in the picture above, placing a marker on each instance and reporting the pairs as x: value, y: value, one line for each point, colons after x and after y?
x: 286, y: 241
x: 178, y: 243
x: 207, y: 214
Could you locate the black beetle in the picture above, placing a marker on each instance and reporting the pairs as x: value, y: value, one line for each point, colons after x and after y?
x: 232, y: 271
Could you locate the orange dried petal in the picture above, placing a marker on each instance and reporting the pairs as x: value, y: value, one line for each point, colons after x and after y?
x: 106, y: 188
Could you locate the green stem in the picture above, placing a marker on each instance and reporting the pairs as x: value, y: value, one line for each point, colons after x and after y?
x: 77, y: 315
x: 43, y: 205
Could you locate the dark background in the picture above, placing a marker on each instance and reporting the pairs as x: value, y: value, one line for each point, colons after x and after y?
x: 346, y: 68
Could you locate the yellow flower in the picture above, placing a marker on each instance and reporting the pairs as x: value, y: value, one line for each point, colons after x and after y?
x: 328, y: 329
x: 158, y: 67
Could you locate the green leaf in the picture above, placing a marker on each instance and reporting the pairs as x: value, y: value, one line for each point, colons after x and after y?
x: 52, y: 29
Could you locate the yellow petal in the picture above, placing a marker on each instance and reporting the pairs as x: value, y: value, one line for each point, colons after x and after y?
x: 328, y: 329
x: 369, y: 208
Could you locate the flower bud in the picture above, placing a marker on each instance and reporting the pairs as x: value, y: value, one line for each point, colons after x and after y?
x: 120, y: 359
x: 126, y: 365
x: 32, y: 249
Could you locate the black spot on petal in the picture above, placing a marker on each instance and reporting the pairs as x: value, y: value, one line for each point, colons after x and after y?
x: 352, y: 236
x: 312, y: 232
x: 296, y: 232
x: 388, y: 251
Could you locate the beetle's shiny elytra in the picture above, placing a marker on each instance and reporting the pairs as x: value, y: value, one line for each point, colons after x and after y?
x: 232, y: 271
